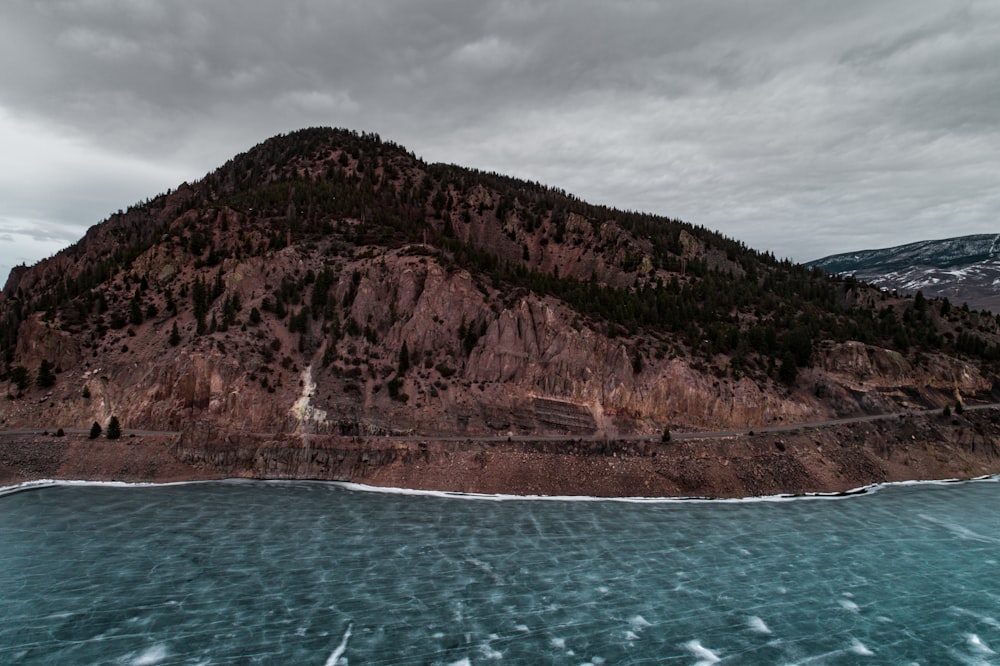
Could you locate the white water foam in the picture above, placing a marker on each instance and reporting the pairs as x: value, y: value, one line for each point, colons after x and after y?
x: 705, y: 656
x: 339, y: 652
x: 985, y: 619
x: 638, y: 623
x: 489, y: 653
x: 856, y: 648
x: 977, y: 644
x: 150, y: 656
x: 757, y: 625
x: 847, y: 604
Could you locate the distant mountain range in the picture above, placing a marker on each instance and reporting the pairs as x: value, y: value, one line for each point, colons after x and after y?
x: 964, y: 269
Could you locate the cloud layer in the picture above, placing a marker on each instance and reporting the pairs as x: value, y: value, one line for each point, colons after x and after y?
x: 803, y: 127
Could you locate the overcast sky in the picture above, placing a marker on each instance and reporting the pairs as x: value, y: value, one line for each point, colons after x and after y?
x: 806, y: 127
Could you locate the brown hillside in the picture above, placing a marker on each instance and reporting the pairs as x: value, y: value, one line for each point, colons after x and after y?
x: 330, y: 282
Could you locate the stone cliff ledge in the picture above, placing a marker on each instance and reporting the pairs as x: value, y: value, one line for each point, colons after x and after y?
x: 822, y: 459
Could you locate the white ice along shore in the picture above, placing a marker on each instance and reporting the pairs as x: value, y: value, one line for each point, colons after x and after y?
x: 447, y: 494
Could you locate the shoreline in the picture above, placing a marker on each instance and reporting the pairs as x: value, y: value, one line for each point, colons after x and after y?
x: 861, y: 491
x: 796, y: 461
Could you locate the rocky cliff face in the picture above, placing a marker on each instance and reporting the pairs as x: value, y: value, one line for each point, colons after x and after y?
x: 530, y: 371
x: 341, y: 287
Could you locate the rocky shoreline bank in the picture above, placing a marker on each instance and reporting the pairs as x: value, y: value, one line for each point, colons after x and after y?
x: 832, y: 458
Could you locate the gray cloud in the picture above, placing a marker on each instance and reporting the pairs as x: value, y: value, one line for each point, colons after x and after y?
x: 802, y: 127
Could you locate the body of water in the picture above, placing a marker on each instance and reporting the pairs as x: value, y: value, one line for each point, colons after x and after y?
x: 316, y: 573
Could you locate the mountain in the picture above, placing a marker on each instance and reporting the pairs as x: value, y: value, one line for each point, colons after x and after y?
x: 963, y: 270
x: 330, y: 282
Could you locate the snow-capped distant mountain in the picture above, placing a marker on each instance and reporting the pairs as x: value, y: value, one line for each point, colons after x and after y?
x: 964, y: 269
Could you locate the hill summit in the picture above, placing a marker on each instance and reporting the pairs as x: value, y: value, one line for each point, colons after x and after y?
x: 327, y: 281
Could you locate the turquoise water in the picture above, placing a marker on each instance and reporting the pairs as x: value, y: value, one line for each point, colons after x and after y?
x: 310, y: 573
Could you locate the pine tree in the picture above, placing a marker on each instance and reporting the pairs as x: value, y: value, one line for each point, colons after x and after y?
x: 114, y: 428
x: 404, y: 360
x: 175, y: 336
x: 45, y: 376
x: 788, y: 371
x: 135, y: 310
x: 95, y: 430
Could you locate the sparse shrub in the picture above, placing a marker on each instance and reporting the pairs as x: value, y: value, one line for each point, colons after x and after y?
x: 637, y: 364
x: 394, y: 391
x: 19, y: 376
x: 135, y: 311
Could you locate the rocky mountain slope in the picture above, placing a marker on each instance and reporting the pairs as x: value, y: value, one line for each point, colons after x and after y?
x: 963, y: 270
x: 329, y: 282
